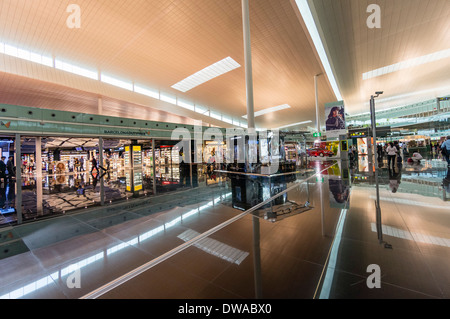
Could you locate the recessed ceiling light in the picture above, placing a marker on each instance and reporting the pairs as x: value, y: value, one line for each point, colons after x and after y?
x: 217, y: 69
x: 270, y: 110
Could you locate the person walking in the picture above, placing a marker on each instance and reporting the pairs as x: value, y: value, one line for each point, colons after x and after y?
x: 94, y: 164
x: 11, y: 168
x: 3, y: 169
x: 445, y: 149
x: 391, y: 153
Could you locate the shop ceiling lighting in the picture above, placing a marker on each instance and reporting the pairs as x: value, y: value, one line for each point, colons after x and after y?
x: 305, y: 11
x: 436, y: 56
x: 295, y: 124
x: 270, y: 110
x: 217, y: 69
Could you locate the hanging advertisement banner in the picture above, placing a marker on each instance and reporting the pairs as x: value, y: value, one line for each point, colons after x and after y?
x: 335, y: 119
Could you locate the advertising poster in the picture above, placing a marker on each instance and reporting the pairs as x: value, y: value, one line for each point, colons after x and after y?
x: 335, y: 119
x: 362, y: 146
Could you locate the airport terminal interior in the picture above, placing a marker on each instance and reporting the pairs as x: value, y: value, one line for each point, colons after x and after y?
x: 225, y: 150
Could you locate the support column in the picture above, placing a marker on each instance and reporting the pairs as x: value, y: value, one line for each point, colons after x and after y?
x: 38, y: 160
x: 100, y: 106
x: 257, y: 258
x: 100, y: 172
x: 248, y: 64
x: 377, y: 201
x: 317, y: 103
x: 190, y: 167
x: 154, y: 166
x: 18, y: 164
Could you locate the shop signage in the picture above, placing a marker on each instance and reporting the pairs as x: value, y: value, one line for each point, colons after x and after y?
x: 6, y: 124
x: 127, y: 133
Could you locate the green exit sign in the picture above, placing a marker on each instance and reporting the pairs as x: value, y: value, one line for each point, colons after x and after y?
x: 317, y: 134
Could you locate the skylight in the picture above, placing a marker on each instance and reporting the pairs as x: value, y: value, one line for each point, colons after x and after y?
x: 312, y: 28
x: 25, y: 54
x: 436, y: 56
x: 168, y: 98
x: 75, y: 69
x: 270, y: 110
x: 117, y: 82
x: 201, y: 109
x: 151, y: 93
x: 217, y: 69
x: 186, y: 105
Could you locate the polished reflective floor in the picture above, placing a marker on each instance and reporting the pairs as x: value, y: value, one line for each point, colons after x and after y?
x: 321, y: 236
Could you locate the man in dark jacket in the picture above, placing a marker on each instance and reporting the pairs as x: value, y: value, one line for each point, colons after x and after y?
x: 3, y: 169
x: 10, y: 167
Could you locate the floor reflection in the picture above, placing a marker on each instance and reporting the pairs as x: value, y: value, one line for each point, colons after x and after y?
x: 350, y: 215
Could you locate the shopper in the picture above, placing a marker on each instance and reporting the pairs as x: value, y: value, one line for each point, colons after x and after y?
x: 445, y: 149
x: 94, y: 164
x: 417, y: 158
x: 3, y: 169
x: 11, y: 168
x: 391, y: 153
x: 380, y: 152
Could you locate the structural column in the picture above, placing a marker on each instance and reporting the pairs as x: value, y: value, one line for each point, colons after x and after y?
x: 100, y: 106
x: 248, y: 64
x: 317, y: 103
x: 38, y: 161
x: 100, y: 171
x: 154, y: 166
x: 18, y: 164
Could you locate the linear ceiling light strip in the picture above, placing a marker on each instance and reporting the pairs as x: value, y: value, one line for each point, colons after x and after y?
x: 305, y: 11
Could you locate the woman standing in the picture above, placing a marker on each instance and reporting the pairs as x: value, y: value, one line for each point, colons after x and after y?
x: 391, y: 153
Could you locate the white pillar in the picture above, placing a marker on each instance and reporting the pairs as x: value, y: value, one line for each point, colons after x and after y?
x: 154, y: 166
x: 18, y: 163
x: 248, y: 64
x: 317, y: 103
x: 38, y: 161
x: 100, y: 171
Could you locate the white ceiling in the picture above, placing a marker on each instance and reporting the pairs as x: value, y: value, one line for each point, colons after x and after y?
x: 158, y: 43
